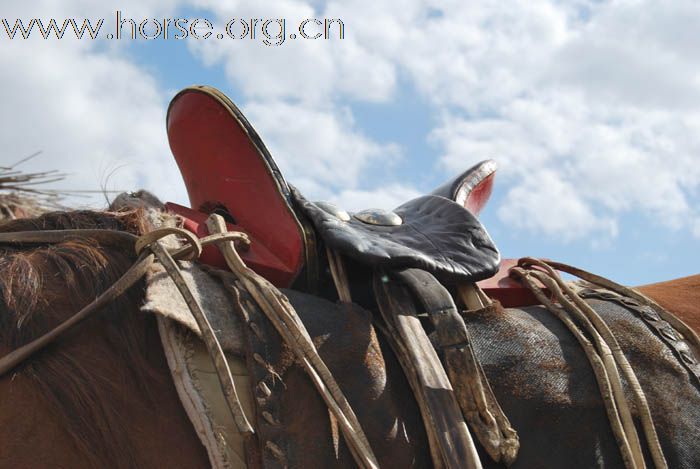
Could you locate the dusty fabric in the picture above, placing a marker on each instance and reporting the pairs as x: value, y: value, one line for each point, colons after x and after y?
x: 547, y: 389
x: 164, y: 299
x: 536, y: 368
x: 293, y: 425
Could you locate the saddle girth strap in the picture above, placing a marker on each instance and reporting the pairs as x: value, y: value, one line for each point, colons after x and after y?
x: 665, y: 331
x: 450, y: 442
x: 472, y: 390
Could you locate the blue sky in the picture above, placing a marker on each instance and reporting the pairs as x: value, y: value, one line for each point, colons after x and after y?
x: 590, y: 108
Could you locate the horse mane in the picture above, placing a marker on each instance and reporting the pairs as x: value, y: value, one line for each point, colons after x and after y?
x: 14, y: 205
x: 40, y: 287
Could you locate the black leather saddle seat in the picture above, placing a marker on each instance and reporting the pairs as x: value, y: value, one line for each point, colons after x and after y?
x: 432, y: 233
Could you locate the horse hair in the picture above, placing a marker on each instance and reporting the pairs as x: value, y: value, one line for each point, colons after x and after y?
x: 42, y: 286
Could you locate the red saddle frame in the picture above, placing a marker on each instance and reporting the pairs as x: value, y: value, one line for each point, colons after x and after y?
x: 227, y: 169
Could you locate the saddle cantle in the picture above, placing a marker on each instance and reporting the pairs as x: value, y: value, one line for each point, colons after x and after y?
x: 228, y: 170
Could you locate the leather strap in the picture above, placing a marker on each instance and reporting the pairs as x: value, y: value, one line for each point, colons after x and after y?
x: 142, y: 245
x: 130, y: 277
x: 285, y: 319
x: 605, y: 356
x: 665, y: 331
x: 690, y: 335
x: 479, y: 405
x: 105, y: 237
x: 216, y: 353
x: 450, y: 442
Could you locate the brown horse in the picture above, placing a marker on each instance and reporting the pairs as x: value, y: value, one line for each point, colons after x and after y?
x: 680, y: 296
x: 102, y: 395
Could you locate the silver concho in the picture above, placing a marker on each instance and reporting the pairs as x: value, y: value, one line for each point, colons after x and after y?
x: 377, y: 216
x: 333, y: 210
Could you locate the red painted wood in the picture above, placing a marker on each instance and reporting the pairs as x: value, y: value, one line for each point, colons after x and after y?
x: 256, y: 256
x: 479, y: 195
x: 220, y: 165
x: 509, y: 292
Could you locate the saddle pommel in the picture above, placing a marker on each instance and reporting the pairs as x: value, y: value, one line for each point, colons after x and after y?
x: 471, y: 189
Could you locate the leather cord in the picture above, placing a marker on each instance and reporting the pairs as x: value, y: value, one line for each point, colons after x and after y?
x: 689, y: 334
x: 284, y: 318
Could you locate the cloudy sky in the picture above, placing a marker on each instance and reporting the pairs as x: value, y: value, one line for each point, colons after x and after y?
x: 591, y: 109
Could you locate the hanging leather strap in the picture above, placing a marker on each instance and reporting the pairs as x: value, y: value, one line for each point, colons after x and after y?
x: 450, y: 442
x: 472, y: 390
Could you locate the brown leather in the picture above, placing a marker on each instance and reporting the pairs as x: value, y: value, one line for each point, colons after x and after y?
x: 293, y: 426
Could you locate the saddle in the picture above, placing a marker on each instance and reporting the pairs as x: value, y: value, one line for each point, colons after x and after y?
x: 228, y: 170
x: 415, y: 254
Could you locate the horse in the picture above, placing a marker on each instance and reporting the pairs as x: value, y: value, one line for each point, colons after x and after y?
x: 102, y: 396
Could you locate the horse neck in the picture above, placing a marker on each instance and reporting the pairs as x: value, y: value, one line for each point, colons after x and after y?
x: 130, y: 417
x: 680, y: 296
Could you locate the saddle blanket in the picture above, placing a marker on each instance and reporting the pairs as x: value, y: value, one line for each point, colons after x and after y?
x: 537, y: 370
x: 193, y: 373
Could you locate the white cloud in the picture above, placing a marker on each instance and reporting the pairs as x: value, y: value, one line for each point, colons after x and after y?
x: 316, y: 144
x: 600, y: 119
x: 625, y: 161
x: 312, y: 71
x: 557, y: 210
x: 696, y: 228
x: 95, y: 114
x: 387, y: 197
x: 589, y: 106
x: 551, y: 91
x: 296, y: 93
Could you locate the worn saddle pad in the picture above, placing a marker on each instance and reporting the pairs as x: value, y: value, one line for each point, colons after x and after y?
x: 193, y: 373
x: 545, y: 384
